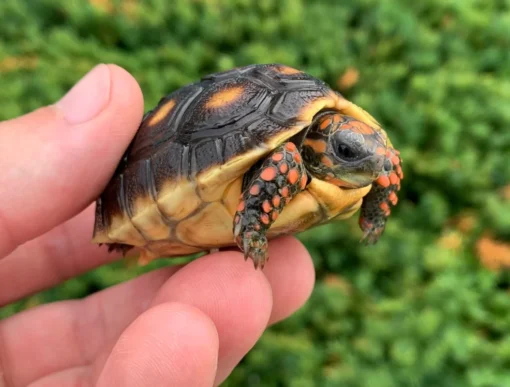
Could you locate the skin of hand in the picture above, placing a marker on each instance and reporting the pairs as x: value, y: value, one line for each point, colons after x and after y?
x: 177, y: 326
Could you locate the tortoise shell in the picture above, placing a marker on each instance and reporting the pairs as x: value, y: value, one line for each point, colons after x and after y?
x: 176, y: 189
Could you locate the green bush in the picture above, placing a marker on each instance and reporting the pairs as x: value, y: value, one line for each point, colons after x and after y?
x: 425, y: 306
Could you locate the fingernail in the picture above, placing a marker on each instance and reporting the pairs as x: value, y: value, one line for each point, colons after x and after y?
x: 88, y: 97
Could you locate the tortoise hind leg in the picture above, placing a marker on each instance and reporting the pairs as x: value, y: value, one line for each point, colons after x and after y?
x: 375, y: 209
x: 267, y: 188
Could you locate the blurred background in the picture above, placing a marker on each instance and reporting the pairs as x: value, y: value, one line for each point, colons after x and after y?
x: 429, y: 305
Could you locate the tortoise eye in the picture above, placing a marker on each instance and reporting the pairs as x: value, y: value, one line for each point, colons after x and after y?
x: 345, y: 152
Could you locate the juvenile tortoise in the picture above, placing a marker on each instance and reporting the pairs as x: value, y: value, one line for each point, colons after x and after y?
x: 243, y: 156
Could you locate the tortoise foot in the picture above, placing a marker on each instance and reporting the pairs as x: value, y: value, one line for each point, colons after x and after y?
x: 254, y: 245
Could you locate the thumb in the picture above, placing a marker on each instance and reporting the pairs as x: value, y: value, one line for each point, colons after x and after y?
x: 56, y: 160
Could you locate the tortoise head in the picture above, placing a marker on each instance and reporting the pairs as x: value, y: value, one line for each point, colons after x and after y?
x: 344, y: 151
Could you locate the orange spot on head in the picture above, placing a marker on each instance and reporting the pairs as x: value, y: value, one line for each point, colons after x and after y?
x: 161, y: 112
x: 285, y: 192
x: 297, y: 157
x: 380, y: 150
x: 266, y: 206
x: 240, y: 207
x: 383, y: 181
x: 395, y: 160
x: 394, y: 178
x: 326, y: 161
x: 319, y: 146
x: 274, y: 215
x: 276, y: 201
x: 325, y: 123
x: 264, y: 218
x: 224, y: 97
x: 303, y: 181
x: 358, y: 127
x: 284, y: 167
x: 268, y: 174
x: 277, y: 156
x: 290, y: 146
x: 255, y: 190
x: 293, y: 176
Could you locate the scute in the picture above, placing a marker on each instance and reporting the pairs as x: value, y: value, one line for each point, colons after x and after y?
x: 197, y: 142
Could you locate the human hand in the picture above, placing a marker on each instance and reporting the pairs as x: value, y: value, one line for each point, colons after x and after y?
x: 177, y: 326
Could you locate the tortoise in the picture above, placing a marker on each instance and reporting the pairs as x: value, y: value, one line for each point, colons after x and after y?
x: 242, y: 156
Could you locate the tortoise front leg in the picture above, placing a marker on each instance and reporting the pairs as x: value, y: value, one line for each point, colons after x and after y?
x: 376, y: 209
x: 268, y: 187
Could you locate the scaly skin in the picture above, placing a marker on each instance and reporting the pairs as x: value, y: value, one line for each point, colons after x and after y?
x: 270, y: 187
x: 376, y: 209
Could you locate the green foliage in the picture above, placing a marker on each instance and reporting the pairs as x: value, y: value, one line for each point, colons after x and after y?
x: 418, y: 308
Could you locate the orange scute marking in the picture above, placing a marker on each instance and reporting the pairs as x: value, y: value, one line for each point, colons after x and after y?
x: 264, y: 218
x: 268, y: 174
x: 293, y: 176
x: 325, y: 123
x: 336, y: 118
x: 277, y: 157
x: 285, y: 192
x: 240, y: 207
x: 290, y: 146
x: 297, y: 157
x: 274, y: 215
x: 266, y: 206
x: 286, y: 70
x: 162, y: 112
x: 224, y: 97
x: 284, y: 168
x: 276, y: 201
x: 255, y: 190
x: 394, y: 178
x: 383, y: 181
x: 303, y: 181
x: 319, y: 146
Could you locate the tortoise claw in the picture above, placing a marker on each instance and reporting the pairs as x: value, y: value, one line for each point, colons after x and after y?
x: 254, y: 245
